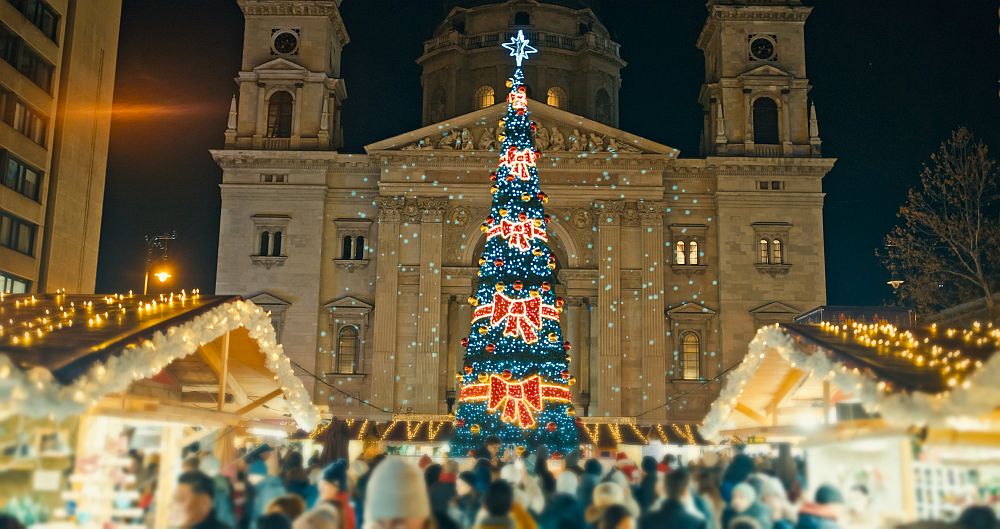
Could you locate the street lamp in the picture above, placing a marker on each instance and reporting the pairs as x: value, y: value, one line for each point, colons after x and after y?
x: 157, y: 242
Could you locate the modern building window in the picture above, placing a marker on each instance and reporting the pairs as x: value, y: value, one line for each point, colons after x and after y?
x: 11, y: 284
x: 776, y: 257
x: 765, y: 121
x: 680, y: 256
x: 17, y: 233
x: 690, y: 356
x: 348, y: 344
x: 279, y: 115
x: 522, y: 18
x: 40, y: 14
x: 602, y: 105
x: 265, y: 243
x: 557, y: 97
x: 485, y: 96
x: 15, y: 52
x: 19, y: 176
x: 764, y: 251
x: 17, y: 114
x: 693, y: 253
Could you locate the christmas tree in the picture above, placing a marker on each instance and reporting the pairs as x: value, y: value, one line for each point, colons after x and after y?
x: 515, y: 380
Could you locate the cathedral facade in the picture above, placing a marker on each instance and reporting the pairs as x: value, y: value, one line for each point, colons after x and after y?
x: 668, y: 263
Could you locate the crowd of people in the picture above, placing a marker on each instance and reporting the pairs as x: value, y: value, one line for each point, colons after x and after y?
x: 496, y: 490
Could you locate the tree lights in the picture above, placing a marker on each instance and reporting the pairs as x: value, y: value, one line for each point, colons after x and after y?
x: 515, y: 381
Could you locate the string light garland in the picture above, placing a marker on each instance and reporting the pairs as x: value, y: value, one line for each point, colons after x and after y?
x: 515, y: 379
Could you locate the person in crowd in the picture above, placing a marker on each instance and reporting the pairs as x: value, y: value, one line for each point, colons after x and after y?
x: 500, y: 511
x: 673, y: 513
x: 193, y: 507
x: 625, y: 465
x: 605, y: 495
x: 222, y: 499
x: 242, y: 496
x: 573, y: 463
x: 824, y: 511
x: 978, y: 517
x: 527, y: 495
x: 190, y: 464
x: 484, y: 475
x: 490, y: 451
x: 442, y: 489
x: 321, y: 517
x: 264, y: 476
x: 737, y: 472
x: 291, y: 505
x: 773, y: 496
x: 396, y: 497
x: 562, y: 510
x: 709, y: 482
x: 744, y: 522
x: 617, y: 517
x: 591, y: 476
x: 363, y: 470
x: 295, y: 478
x: 274, y: 520
x: 668, y: 463
x: 645, y: 492
x: 332, y: 491
x: 620, y: 478
x: 744, y: 502
x: 7, y: 521
x: 464, y: 506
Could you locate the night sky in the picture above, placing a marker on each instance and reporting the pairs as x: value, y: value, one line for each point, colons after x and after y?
x: 891, y: 79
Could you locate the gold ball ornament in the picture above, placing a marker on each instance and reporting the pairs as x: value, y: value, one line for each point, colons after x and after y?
x: 538, y: 223
x: 483, y: 377
x: 473, y: 300
x: 525, y: 197
x: 494, y: 190
x: 499, y: 287
x: 519, y: 450
x: 474, y: 429
x: 571, y: 411
x: 501, y: 137
x: 510, y: 83
x: 483, y: 330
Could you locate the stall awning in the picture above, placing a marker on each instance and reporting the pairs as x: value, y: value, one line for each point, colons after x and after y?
x: 64, y: 354
x: 794, y: 373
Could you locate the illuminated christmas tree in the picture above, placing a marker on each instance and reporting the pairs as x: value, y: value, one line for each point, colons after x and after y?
x: 516, y: 379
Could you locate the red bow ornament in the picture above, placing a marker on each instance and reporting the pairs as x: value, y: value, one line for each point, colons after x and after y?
x: 518, y: 161
x: 518, y: 399
x: 518, y: 234
x: 522, y: 317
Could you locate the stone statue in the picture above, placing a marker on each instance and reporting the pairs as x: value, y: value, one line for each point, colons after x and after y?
x: 614, y: 146
x: 595, y: 143
x: 557, y: 142
x: 487, y: 141
x: 449, y: 140
x: 459, y: 216
x: 467, y: 143
x: 581, y: 219
x: 542, y: 138
x: 425, y: 144
x: 576, y: 141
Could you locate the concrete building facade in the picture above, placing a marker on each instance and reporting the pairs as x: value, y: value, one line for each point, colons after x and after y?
x: 57, y: 81
x: 668, y: 264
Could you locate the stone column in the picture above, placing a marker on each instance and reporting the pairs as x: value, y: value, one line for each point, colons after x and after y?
x: 652, y: 305
x: 454, y: 341
x: 261, y: 127
x: 570, y: 323
x: 607, y: 216
x: 429, y: 306
x: 297, y: 115
x: 386, y: 292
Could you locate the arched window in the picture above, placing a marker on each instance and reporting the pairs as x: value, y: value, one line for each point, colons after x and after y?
x: 276, y: 244
x: 557, y: 97
x: 522, y: 18
x: 359, y: 248
x: 485, y: 96
x: 693, y: 253
x: 602, y: 106
x: 680, y: 256
x: 265, y: 243
x: 279, y: 115
x: 345, y: 250
x: 347, y: 349
x: 765, y: 121
x: 776, y: 256
x: 690, y: 356
x: 764, y: 251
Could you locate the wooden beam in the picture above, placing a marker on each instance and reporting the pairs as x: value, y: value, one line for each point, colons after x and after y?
x: 225, y: 371
x: 789, y: 382
x: 214, y: 361
x: 753, y: 414
x: 259, y: 402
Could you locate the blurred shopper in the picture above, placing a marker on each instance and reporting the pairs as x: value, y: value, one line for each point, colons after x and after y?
x: 193, y: 506
x: 673, y: 514
x: 396, y: 497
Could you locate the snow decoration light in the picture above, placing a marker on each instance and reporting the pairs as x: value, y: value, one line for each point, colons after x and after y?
x: 36, y: 393
x: 972, y: 396
x: 512, y: 381
x: 519, y: 47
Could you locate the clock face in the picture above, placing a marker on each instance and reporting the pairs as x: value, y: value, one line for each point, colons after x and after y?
x: 762, y: 49
x: 286, y: 42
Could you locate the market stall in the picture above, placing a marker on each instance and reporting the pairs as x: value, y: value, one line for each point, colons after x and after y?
x: 92, y: 388
x: 906, y: 415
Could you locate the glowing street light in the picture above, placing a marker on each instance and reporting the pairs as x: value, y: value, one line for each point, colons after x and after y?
x: 158, y: 242
x: 163, y: 276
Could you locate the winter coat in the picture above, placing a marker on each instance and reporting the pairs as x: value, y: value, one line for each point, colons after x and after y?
x: 562, y: 511
x: 645, y: 493
x: 463, y: 510
x: 672, y: 515
x: 222, y: 502
x: 263, y: 493
x: 816, y: 516
x: 441, y: 495
x: 757, y: 510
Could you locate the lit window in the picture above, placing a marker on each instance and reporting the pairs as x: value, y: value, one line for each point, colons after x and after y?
x: 485, y: 96
x: 680, y: 257
x: 17, y: 233
x: 10, y: 284
x: 693, y: 253
x: 776, y: 256
x: 691, y: 357
x: 347, y: 349
x: 557, y: 97
x: 279, y: 115
x: 764, y: 250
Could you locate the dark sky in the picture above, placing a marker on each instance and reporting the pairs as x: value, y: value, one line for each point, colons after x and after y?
x: 891, y: 79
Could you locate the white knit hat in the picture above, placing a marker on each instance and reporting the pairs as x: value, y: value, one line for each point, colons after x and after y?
x: 396, y: 490
x: 607, y: 494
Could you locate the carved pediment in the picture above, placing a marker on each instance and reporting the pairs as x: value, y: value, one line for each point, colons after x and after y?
x: 267, y: 300
x: 776, y: 308
x: 766, y: 70
x: 348, y: 302
x: 558, y: 131
x: 688, y: 310
x: 279, y: 65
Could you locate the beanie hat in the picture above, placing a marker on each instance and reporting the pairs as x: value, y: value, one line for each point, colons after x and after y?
x: 608, y: 493
x: 336, y: 473
x: 746, y: 490
x: 567, y: 482
x: 827, y: 494
x: 396, y: 490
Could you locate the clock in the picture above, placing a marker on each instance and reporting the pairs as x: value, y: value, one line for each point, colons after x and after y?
x: 286, y: 42
x: 762, y: 49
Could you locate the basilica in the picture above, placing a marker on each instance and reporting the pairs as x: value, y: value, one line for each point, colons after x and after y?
x: 669, y: 262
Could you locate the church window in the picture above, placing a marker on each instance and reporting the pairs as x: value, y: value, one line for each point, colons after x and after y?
x: 345, y: 249
x: 270, y: 234
x: 603, y: 106
x: 557, y: 97
x: 347, y: 350
x: 776, y: 257
x: 681, y: 257
x: 279, y: 115
x: 765, y: 121
x: 690, y: 356
x: 276, y: 244
x: 485, y: 96
x: 359, y: 247
x: 522, y: 18
x: 764, y: 251
x: 265, y: 243
x: 693, y: 253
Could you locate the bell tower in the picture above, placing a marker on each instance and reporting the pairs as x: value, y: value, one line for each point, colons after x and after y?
x: 755, y: 94
x: 290, y: 90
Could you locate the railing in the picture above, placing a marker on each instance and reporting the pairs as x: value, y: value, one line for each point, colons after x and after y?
x: 542, y: 40
x: 277, y: 144
x: 767, y: 150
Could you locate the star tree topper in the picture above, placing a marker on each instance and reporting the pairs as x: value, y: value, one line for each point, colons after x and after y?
x: 519, y: 47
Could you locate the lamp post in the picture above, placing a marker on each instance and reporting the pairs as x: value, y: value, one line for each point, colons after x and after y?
x: 156, y: 242
x: 449, y: 399
x: 585, y: 401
